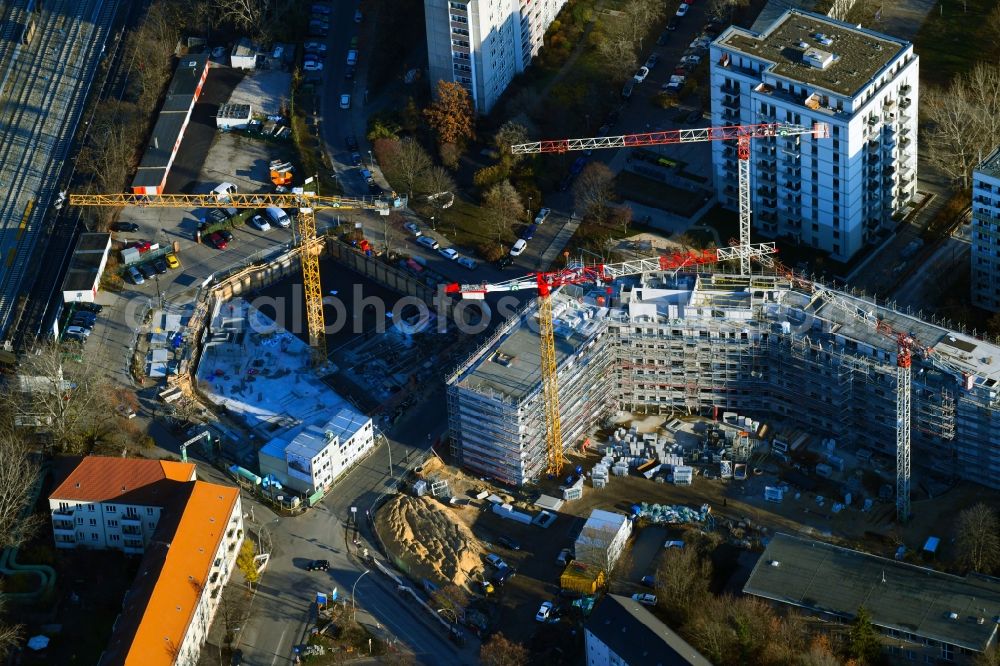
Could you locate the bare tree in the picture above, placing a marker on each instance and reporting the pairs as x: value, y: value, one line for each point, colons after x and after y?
x: 682, y: 582
x: 18, y: 474
x: 501, y: 651
x: 618, y: 51
x: 503, y: 207
x: 978, y: 538
x: 593, y: 189
x: 437, y: 180
x: 234, y: 611
x: 412, y: 164
x: 249, y: 15
x: 989, y: 658
x: 452, y: 598
x: 10, y: 634
x: 70, y: 402
x: 641, y: 15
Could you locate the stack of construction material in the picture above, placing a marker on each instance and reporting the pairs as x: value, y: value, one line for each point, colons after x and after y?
x: 670, y: 514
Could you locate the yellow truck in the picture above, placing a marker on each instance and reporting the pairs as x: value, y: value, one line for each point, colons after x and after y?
x: 582, y: 578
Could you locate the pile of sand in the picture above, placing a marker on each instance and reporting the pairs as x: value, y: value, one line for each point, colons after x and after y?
x: 431, y: 542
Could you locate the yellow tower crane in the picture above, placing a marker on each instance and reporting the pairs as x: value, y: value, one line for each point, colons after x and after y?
x: 306, y: 202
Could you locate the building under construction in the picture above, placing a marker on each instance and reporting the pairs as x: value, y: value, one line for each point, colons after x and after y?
x: 763, y: 345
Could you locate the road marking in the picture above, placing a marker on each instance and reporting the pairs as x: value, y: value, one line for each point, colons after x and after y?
x: 277, y: 652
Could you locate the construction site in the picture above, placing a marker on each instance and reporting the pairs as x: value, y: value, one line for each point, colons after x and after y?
x: 821, y: 369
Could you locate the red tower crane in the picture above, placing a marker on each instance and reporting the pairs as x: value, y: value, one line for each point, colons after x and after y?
x: 741, y: 134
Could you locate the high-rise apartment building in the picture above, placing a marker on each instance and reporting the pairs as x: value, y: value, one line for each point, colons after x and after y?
x: 834, y: 194
x: 484, y: 44
x: 986, y: 233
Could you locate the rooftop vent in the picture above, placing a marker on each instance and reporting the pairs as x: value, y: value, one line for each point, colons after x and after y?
x: 503, y: 359
x: 803, y: 45
x: 823, y: 39
x: 817, y: 58
x: 952, y: 616
x: 775, y: 563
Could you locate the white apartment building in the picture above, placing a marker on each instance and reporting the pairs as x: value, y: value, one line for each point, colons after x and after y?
x: 621, y: 632
x: 838, y: 193
x: 189, y: 544
x: 484, y: 44
x: 114, y: 503
x: 986, y: 233
x: 311, y: 461
x: 603, y: 538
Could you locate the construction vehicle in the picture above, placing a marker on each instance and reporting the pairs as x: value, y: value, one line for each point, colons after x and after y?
x: 281, y: 172
x: 546, y: 282
x: 305, y: 201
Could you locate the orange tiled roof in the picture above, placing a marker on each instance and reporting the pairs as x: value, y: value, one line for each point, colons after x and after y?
x: 128, y: 480
x: 161, y: 604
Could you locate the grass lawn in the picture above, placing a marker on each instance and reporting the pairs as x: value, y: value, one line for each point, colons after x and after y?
x: 462, y: 223
x: 653, y: 193
x: 952, y: 40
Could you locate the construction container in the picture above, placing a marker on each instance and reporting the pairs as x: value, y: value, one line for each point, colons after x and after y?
x: 582, y: 578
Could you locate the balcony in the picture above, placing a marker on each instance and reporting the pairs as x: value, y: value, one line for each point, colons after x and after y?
x: 131, y: 519
x: 729, y: 89
x: 63, y: 513
x: 906, y: 102
x: 730, y: 115
x: 793, y: 186
x: 731, y: 102
x: 63, y: 526
x: 131, y: 530
x: 767, y: 191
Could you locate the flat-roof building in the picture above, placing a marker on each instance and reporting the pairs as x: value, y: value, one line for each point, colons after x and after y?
x: 184, y: 90
x: 86, y: 266
x: 761, y: 346
x: 189, y: 533
x: 620, y: 632
x: 835, y: 194
x: 923, y: 614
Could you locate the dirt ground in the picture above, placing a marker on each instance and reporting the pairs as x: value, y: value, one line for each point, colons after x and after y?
x: 431, y: 543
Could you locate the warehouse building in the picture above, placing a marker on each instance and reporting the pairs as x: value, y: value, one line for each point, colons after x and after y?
x: 620, y: 632
x: 923, y: 615
x: 86, y: 266
x: 184, y: 90
x: 762, y: 346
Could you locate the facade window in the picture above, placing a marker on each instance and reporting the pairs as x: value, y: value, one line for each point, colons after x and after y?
x: 112, y: 523
x: 93, y: 536
x: 93, y: 522
x: 115, y: 537
x: 91, y: 507
x: 947, y: 652
x: 149, y: 511
x: 79, y: 520
x: 64, y: 506
x: 111, y: 508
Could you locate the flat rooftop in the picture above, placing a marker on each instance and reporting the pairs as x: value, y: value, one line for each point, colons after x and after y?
x: 513, y: 367
x: 991, y: 165
x: 856, y: 55
x: 828, y: 579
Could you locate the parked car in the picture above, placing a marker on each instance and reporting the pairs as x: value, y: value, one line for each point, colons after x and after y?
x: 319, y: 8
x: 358, y: 16
x: 356, y: 159
x: 495, y: 561
x: 691, y: 59
x: 318, y: 47
x: 448, y: 253
x: 78, y: 333
x: 141, y: 245
x: 172, y: 261
x: 651, y: 61
x: 259, y: 223
x: 312, y: 66
x: 147, y: 271
x: 664, y: 38
x: 412, y: 228
x: 543, y: 214
x: 427, y: 241
x: 673, y: 543
x: 215, y: 216
x: 345, y: 101
x: 544, y: 611
x: 673, y: 23
x: 504, y: 262
x: 645, y: 598
x: 683, y: 9
x: 352, y: 57
x: 87, y: 319
x: 565, y: 555
x: 159, y: 265
x: 317, y: 565
x: 649, y: 580
x: 503, y: 574
x: 509, y: 543
x: 529, y: 232
x: 641, y: 74
x: 135, y: 275
x: 468, y: 263
x: 627, y: 89
x: 351, y: 141
x: 128, y: 227
x: 226, y: 234
x: 96, y: 308
x: 518, y: 247
x: 217, y: 241
x: 278, y: 217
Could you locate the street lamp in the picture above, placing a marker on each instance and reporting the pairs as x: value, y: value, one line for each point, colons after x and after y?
x: 529, y: 210
x: 432, y: 224
x: 354, y: 599
x: 371, y: 160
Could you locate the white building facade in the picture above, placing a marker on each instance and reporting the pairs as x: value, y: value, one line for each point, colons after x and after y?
x: 484, y: 44
x: 603, y: 538
x: 316, y: 457
x: 985, y: 254
x: 834, y: 194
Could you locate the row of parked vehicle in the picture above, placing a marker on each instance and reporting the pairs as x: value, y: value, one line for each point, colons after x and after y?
x: 147, y: 270
x: 81, y: 322
x: 529, y: 232
x: 432, y: 244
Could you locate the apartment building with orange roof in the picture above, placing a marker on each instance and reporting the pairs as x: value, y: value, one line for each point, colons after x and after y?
x: 189, y: 543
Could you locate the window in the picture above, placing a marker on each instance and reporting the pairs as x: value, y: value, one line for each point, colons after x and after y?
x: 91, y: 507
x: 111, y: 508
x: 112, y: 523
x: 64, y: 506
x: 947, y: 652
x: 79, y: 520
x: 93, y: 522
x: 115, y: 537
x: 149, y: 511
x: 93, y: 536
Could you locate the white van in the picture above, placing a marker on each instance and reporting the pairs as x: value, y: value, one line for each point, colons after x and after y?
x: 223, y: 192
x: 279, y: 217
